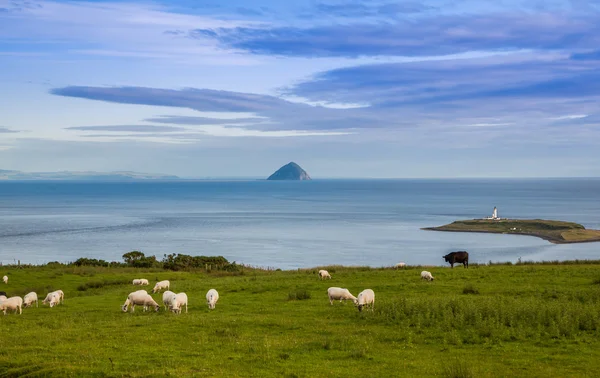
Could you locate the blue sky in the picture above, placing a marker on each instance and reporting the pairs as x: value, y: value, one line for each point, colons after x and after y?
x: 344, y: 88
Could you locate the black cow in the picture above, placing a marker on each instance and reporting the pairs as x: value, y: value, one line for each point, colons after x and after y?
x: 459, y: 257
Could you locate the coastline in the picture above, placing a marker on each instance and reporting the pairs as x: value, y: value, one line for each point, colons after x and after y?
x: 542, y: 232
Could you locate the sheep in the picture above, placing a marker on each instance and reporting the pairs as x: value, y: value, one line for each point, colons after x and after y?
x: 400, y: 265
x: 342, y: 294
x: 178, y: 300
x: 52, y: 299
x: 365, y: 298
x: 12, y: 303
x: 161, y: 285
x: 142, y: 298
x: 136, y: 282
x: 5, y: 279
x: 323, y: 274
x: 211, y: 298
x: 144, y: 282
x: 425, y: 275
x: 167, y: 297
x: 59, y: 294
x: 29, y: 299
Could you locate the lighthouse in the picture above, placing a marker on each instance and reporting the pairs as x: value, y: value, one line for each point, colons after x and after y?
x: 495, y: 213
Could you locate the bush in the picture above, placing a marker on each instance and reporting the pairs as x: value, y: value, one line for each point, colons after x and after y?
x: 83, y: 261
x: 183, y: 262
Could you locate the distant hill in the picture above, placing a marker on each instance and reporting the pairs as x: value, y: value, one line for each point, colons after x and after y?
x: 84, y: 175
x: 290, y: 171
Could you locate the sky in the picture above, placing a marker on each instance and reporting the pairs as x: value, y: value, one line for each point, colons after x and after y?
x: 345, y: 88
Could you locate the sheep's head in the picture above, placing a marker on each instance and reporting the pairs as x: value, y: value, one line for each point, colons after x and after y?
x: 156, y: 308
x: 124, y: 308
x: 360, y: 307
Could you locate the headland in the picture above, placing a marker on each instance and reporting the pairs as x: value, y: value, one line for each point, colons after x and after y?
x: 557, y: 232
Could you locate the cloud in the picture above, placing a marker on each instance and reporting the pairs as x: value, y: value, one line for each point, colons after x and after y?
x: 275, y: 114
x: 129, y: 128
x: 189, y: 120
x: 428, y: 36
x: 4, y: 130
x: 356, y: 9
x: 197, y: 99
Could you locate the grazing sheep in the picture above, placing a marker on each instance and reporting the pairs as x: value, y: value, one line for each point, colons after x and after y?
x: 137, y: 282
x: 161, y: 285
x: 167, y: 297
x: 211, y: 298
x: 60, y: 295
x: 144, y: 281
x: 29, y: 299
x: 52, y: 299
x: 178, y: 300
x: 12, y: 303
x: 323, y: 274
x: 365, y: 298
x: 400, y: 265
x: 5, y: 279
x: 142, y: 298
x: 425, y: 275
x: 335, y: 293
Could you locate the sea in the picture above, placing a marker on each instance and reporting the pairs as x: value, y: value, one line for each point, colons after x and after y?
x: 288, y: 224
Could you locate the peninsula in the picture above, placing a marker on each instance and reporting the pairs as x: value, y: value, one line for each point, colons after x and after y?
x: 290, y: 171
x: 556, y: 232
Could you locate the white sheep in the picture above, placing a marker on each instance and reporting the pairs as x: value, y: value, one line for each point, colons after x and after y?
x: 12, y: 303
x: 29, y: 299
x: 60, y: 295
x: 167, y: 297
x: 137, y: 282
x: 425, y: 275
x: 335, y: 293
x: 142, y: 298
x: 400, y: 265
x: 161, y: 285
x: 144, y: 282
x: 52, y: 299
x: 178, y: 300
x: 211, y: 298
x: 323, y: 274
x: 365, y: 298
x: 5, y: 279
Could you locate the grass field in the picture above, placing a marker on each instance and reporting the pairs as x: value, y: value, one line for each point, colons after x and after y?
x: 557, y: 232
x: 529, y: 320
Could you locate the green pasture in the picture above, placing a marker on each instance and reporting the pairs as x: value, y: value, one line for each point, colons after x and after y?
x: 529, y: 320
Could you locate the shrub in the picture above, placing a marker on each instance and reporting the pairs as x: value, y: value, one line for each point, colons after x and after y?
x: 83, y: 261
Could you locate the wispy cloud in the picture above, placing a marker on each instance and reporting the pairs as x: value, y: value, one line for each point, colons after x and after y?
x: 129, y: 128
x: 436, y: 35
x: 4, y: 130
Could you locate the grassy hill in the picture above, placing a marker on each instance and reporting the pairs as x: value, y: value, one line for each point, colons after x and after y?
x: 557, y: 232
x: 509, y: 320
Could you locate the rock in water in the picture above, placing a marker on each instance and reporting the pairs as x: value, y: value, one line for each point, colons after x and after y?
x: 291, y: 171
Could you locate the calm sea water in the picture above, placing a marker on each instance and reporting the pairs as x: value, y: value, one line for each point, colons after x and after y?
x: 288, y: 224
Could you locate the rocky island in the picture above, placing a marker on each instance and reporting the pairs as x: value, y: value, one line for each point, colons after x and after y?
x: 290, y: 171
x: 557, y: 232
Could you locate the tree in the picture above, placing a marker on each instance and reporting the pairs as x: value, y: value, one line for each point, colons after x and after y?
x: 132, y: 257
